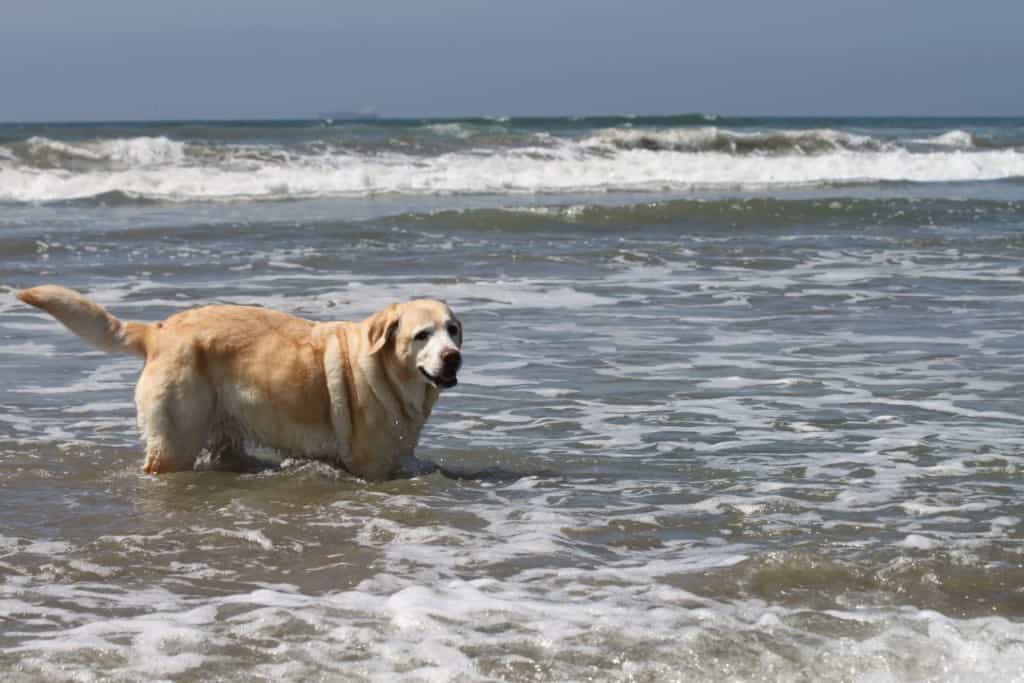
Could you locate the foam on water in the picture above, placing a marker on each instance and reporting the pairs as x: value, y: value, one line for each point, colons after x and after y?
x: 616, y: 160
x: 713, y: 139
x: 959, y: 139
x: 128, y: 152
x: 614, y: 620
x: 728, y: 440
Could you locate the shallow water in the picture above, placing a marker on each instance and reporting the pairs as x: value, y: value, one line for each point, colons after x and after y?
x: 758, y: 434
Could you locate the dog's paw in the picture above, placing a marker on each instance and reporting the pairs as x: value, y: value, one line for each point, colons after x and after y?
x: 412, y: 466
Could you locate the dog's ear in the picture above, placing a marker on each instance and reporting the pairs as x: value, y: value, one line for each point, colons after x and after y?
x: 382, y: 327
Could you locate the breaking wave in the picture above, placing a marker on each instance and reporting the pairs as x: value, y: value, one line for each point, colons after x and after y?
x: 954, y: 138
x: 157, y: 168
x: 41, y: 152
x: 713, y: 139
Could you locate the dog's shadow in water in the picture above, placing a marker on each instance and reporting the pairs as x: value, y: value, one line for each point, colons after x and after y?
x: 421, y: 468
x: 494, y: 475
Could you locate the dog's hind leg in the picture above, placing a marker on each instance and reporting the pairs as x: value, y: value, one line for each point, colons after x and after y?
x: 227, y: 448
x: 175, y: 407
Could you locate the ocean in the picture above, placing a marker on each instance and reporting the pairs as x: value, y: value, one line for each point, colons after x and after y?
x: 741, y: 401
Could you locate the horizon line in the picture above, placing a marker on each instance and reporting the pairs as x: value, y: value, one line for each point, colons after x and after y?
x: 379, y: 118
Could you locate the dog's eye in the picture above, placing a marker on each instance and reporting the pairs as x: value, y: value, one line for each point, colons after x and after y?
x: 453, y: 331
x: 422, y: 335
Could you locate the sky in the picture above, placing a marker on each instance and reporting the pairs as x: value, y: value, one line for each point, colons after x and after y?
x: 179, y: 59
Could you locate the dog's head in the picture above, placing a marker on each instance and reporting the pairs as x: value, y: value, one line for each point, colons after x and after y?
x: 423, y: 338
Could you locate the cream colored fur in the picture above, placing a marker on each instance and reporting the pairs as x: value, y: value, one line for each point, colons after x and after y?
x: 355, y: 394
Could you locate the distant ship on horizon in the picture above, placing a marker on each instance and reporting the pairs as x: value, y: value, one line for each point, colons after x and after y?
x: 330, y: 117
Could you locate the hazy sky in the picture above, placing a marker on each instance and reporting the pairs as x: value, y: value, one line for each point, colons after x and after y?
x: 129, y: 59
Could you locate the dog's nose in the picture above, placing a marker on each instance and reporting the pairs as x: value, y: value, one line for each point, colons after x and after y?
x: 452, y: 359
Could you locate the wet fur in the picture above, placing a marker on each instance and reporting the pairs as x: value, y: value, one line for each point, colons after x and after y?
x: 349, y: 393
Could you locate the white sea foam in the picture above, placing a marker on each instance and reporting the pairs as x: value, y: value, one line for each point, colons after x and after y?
x: 544, y: 626
x: 254, y: 536
x: 959, y: 139
x: 455, y: 130
x: 132, y: 152
x: 723, y: 140
x: 158, y: 168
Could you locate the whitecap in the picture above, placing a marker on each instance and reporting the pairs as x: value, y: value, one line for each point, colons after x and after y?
x: 569, y: 167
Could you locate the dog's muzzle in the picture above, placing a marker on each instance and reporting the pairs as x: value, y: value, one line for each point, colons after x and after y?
x: 443, y: 381
x: 451, y: 361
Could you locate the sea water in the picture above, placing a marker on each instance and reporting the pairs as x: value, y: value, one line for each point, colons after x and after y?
x: 741, y: 400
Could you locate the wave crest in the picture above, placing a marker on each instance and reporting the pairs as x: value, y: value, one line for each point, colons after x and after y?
x: 44, y: 152
x: 620, y: 159
x: 714, y: 139
x: 956, y: 139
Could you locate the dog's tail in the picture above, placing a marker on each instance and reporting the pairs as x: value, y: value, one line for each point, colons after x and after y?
x: 89, y: 320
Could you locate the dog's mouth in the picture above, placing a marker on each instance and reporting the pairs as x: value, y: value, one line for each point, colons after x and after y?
x: 442, y: 381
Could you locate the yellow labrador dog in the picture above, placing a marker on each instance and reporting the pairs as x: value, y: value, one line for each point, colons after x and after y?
x: 355, y: 394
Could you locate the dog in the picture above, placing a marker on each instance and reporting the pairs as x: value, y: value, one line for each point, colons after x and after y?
x: 353, y: 394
